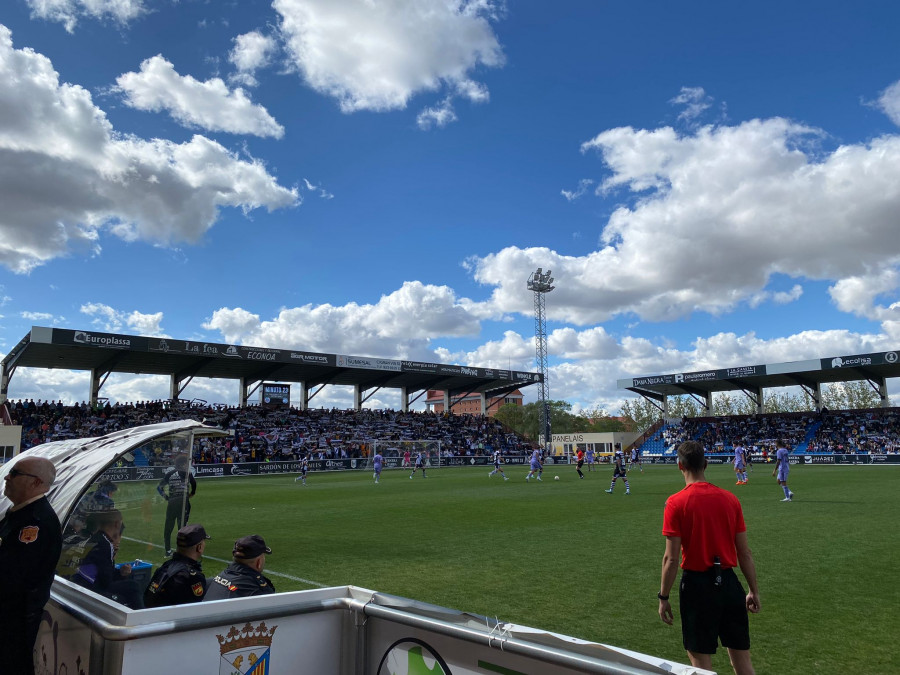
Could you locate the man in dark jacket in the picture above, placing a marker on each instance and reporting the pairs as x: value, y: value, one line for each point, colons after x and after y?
x: 244, y: 576
x: 180, y: 581
x: 98, y: 570
x: 30, y: 544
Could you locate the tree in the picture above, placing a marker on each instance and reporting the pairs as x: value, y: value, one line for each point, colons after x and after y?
x: 850, y: 396
x: 644, y: 413
x: 525, y: 419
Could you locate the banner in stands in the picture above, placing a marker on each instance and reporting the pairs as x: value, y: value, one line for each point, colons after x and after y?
x: 794, y: 459
x: 129, y: 473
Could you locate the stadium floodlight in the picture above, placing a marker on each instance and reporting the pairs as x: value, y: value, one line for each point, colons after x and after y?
x: 540, y: 283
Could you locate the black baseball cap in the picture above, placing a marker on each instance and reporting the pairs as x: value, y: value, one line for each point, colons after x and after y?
x: 191, y: 535
x: 250, y: 547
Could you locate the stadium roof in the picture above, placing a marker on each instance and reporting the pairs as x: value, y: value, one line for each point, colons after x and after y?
x: 184, y: 359
x: 809, y: 374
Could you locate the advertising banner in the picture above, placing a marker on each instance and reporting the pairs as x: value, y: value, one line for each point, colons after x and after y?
x: 861, y: 360
x: 133, y: 473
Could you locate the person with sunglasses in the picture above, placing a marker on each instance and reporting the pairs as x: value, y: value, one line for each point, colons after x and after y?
x: 30, y: 544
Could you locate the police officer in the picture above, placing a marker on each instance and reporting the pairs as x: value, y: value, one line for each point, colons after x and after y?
x: 244, y: 576
x: 30, y: 544
x: 177, y: 487
x: 180, y: 581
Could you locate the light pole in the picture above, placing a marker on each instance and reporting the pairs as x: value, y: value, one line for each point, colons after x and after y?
x: 541, y: 283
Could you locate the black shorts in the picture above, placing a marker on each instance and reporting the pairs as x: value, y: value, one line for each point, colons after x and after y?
x: 710, y: 613
x: 619, y: 473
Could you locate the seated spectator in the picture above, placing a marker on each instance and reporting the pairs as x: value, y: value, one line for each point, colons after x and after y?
x: 244, y: 576
x: 98, y: 571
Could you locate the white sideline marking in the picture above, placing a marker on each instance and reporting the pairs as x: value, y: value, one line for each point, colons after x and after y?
x: 309, y: 582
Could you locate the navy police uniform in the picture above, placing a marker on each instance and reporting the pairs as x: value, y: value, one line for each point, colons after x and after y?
x: 178, y: 581
x: 238, y: 581
x: 30, y: 544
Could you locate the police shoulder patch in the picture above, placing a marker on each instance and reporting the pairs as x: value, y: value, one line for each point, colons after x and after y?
x: 197, y: 589
x: 29, y: 534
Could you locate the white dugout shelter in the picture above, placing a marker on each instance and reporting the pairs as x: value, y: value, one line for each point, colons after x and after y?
x: 342, y: 631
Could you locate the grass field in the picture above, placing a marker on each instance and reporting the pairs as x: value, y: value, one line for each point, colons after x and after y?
x: 564, y: 556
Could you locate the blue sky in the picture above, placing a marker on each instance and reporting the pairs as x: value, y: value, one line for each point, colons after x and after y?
x: 712, y: 184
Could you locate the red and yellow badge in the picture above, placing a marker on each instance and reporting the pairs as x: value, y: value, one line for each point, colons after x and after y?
x: 29, y: 534
x: 197, y: 589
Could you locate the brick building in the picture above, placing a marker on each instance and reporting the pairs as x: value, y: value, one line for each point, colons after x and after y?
x: 470, y: 404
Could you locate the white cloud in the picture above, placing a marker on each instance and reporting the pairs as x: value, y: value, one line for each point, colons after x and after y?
x: 112, y: 320
x: 317, y: 189
x: 38, y: 316
x: 251, y: 52
x: 889, y: 102
x: 857, y: 294
x: 399, y: 325
x: 713, y: 216
x: 68, y: 12
x: 583, y: 185
x: 66, y: 176
x: 377, y: 55
x: 695, y: 101
x: 438, y: 116
x: 208, y: 105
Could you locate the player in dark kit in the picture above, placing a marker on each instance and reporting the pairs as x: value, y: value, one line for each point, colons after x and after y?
x: 579, y: 462
x: 244, y: 576
x: 176, y: 487
x: 180, y: 581
x: 619, y: 470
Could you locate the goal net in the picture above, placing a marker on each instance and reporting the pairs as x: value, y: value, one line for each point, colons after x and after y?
x: 402, y: 454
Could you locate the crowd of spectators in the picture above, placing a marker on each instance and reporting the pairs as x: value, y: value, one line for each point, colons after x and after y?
x: 845, y: 431
x: 261, y: 433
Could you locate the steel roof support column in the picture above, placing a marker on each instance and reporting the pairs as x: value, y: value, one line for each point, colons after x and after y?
x: 447, y: 401
x: 882, y: 391
x: 404, y: 399
x: 761, y: 400
x: 98, y: 377
x: 4, y: 382
x: 709, y: 404
x: 665, y: 407
x: 483, y: 399
x: 304, y: 396
x: 173, y: 386
x: 357, y: 397
x: 243, y: 385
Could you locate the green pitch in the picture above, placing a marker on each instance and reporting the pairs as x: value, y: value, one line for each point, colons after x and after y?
x: 567, y: 557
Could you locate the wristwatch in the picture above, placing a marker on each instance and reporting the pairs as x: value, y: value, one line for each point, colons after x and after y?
x: 662, y: 597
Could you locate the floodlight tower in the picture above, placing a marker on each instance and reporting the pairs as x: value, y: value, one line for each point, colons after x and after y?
x: 541, y: 283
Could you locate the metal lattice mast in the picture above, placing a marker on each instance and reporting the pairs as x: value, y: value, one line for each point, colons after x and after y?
x: 542, y: 283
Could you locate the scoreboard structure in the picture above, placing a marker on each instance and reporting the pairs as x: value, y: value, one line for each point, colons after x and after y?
x: 275, y: 394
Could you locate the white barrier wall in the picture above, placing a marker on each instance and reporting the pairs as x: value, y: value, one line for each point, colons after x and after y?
x: 332, y: 631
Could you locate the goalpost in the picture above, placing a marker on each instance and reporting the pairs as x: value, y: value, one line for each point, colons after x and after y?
x: 394, y: 453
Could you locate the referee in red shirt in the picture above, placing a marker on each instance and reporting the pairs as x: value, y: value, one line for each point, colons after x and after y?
x: 705, y: 525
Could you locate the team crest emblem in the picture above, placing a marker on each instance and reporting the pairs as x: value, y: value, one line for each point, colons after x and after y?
x: 246, y: 651
x: 28, y: 534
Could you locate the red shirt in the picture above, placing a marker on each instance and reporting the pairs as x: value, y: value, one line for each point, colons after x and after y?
x: 707, y: 518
